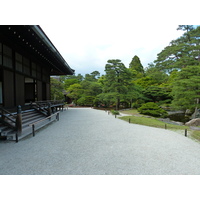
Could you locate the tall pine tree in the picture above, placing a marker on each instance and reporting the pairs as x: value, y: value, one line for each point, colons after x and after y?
x: 116, y: 81
x: 136, y: 65
x: 182, y: 52
x: 186, y: 88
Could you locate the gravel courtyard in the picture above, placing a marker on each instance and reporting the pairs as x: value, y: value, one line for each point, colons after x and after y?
x: 91, y: 142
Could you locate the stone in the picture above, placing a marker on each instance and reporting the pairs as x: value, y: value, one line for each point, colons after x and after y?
x: 193, y: 122
x: 188, y: 112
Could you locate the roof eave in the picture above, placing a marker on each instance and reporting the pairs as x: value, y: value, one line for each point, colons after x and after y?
x: 66, y: 70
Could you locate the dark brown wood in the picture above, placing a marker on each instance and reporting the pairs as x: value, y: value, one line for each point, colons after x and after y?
x: 32, y: 56
x: 16, y: 135
x: 57, y: 116
x: 33, y: 124
x: 19, y: 120
x: 43, y: 119
x: 33, y: 129
x: 49, y: 109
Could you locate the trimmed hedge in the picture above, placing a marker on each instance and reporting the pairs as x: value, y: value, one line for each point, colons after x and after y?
x: 115, y: 112
x: 152, y: 109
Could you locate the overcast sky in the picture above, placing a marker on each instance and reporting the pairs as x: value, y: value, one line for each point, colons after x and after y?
x: 87, y: 33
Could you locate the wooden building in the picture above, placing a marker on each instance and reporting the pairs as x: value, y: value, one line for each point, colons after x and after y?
x: 27, y: 60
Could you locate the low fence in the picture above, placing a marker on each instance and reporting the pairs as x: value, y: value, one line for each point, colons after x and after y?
x: 187, y: 132
x: 41, y: 123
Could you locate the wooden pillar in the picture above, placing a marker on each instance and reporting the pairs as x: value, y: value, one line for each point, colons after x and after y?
x: 49, y: 108
x: 19, y: 120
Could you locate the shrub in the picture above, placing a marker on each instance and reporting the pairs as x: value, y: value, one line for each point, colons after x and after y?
x: 152, y: 109
x: 85, y: 101
x: 115, y: 112
x: 136, y: 105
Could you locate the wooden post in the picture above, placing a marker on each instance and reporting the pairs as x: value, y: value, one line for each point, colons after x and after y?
x: 129, y: 120
x: 57, y: 116
x: 16, y: 135
x: 31, y: 104
x: 19, y: 120
x: 185, y: 132
x: 2, y: 115
x: 33, y: 129
x: 165, y: 126
x: 49, y: 109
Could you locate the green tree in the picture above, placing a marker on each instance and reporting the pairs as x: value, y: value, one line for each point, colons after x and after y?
x: 152, y: 109
x: 186, y: 88
x: 86, y: 101
x: 96, y: 74
x: 156, y: 74
x: 91, y: 88
x: 187, y: 28
x: 158, y: 94
x: 75, y: 91
x: 71, y: 79
x: 146, y: 81
x: 135, y: 65
x: 116, y: 82
x: 57, y: 89
x: 69, y: 82
x: 181, y: 52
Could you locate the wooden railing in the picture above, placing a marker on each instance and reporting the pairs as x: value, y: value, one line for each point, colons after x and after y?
x: 49, y: 117
x: 50, y: 102
x: 7, y: 116
x: 47, y: 107
x: 13, y: 120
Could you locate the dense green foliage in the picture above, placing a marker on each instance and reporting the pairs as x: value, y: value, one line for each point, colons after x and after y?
x: 136, y: 66
x: 152, y: 109
x: 115, y: 112
x: 117, y: 84
x: 172, y: 80
x: 57, y: 88
x: 186, y: 88
x: 182, y: 52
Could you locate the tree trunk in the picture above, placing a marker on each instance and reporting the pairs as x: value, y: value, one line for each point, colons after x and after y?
x: 196, y: 109
x: 117, y: 104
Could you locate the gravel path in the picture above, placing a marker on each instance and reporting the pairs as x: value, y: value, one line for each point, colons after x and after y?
x: 88, y: 141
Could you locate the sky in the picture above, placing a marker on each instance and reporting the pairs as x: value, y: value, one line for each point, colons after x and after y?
x: 87, y: 47
x: 96, y: 31
x: 88, y: 33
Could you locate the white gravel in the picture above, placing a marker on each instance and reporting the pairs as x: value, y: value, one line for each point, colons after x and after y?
x: 88, y: 141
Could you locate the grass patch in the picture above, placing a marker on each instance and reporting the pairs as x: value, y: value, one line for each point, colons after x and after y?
x: 196, y: 135
x: 152, y: 122
x: 130, y: 112
x: 115, y: 112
